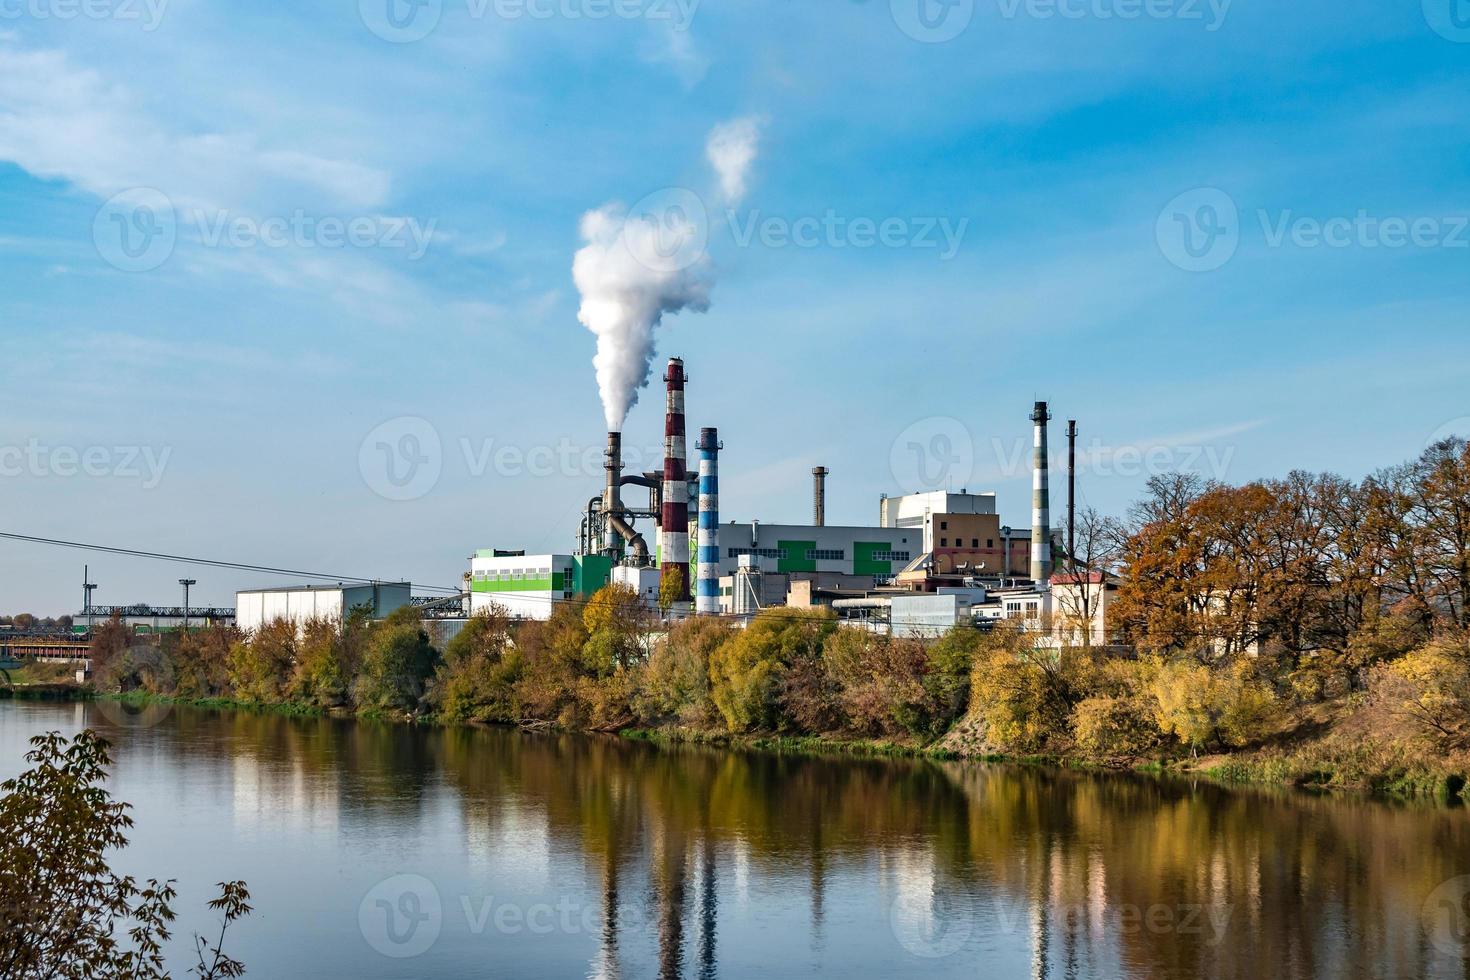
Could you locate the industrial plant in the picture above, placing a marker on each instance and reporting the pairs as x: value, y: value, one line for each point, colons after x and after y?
x: 932, y: 560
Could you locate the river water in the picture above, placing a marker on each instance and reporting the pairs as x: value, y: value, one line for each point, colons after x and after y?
x: 384, y: 851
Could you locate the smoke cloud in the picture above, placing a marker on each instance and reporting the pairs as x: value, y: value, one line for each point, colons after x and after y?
x: 639, y: 264
x: 731, y: 150
x: 636, y: 267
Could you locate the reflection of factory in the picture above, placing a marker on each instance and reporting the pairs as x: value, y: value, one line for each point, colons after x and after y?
x: 948, y: 546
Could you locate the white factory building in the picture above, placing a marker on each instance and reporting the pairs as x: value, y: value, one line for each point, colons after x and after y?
x: 302, y: 603
x: 529, y: 586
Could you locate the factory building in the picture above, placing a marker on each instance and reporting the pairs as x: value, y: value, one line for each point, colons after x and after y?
x: 962, y: 534
x: 529, y: 586
x: 875, y: 552
x: 302, y: 603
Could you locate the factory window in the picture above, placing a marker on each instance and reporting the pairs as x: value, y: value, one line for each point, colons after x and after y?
x: 944, y: 525
x: 825, y: 554
x: 974, y: 542
x: 990, y: 542
x: 891, y: 556
x: 759, y: 552
x: 944, y: 542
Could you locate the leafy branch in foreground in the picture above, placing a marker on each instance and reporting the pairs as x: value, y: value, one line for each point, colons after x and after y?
x: 66, y: 913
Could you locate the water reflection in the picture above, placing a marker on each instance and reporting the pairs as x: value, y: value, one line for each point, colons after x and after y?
x: 564, y: 855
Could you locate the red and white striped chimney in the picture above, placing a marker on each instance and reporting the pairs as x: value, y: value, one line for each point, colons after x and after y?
x: 674, y: 533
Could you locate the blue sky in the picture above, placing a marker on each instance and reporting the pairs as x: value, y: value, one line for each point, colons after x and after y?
x: 1072, y: 147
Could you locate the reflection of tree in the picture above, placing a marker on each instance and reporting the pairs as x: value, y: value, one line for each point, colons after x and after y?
x: 1299, y: 885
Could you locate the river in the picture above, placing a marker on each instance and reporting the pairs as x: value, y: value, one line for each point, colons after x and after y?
x: 375, y: 850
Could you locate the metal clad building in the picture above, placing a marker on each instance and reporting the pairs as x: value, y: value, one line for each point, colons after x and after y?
x: 298, y: 604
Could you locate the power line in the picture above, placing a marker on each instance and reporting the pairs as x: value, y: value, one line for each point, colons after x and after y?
x: 210, y: 562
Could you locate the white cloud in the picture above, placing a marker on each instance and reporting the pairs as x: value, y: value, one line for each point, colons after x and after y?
x: 59, y: 121
x: 731, y: 150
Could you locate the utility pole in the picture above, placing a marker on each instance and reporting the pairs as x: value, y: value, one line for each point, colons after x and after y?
x: 1072, y: 495
x: 186, y: 582
x: 88, y: 586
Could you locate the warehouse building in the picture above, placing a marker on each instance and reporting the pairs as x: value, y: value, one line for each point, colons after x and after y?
x: 302, y: 603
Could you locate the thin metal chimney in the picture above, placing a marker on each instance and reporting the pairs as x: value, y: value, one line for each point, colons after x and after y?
x: 1040, y: 503
x: 612, y: 501
x: 674, y: 533
x: 819, y: 496
x: 707, y: 597
x: 1072, y: 495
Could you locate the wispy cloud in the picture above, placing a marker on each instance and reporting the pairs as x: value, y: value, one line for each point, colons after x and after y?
x: 731, y: 150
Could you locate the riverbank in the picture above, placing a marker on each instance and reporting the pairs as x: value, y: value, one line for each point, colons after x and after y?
x: 1327, y: 765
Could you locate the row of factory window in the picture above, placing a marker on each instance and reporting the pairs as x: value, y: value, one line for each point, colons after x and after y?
x: 816, y: 554
x: 516, y: 574
x: 960, y: 542
x: 812, y: 554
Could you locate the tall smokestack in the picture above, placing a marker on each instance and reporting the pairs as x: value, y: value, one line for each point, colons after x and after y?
x: 1040, y: 503
x: 612, y: 501
x: 1072, y: 495
x: 707, y: 598
x: 674, y: 536
x: 819, y: 496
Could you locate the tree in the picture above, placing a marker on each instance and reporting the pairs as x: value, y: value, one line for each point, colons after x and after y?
x: 670, y: 587
x: 1098, y: 545
x: 618, y: 622
x: 745, y: 673
x: 260, y: 666
x: 676, y: 682
x: 476, y: 680
x: 396, y: 662
x: 67, y: 913
x: 109, y: 641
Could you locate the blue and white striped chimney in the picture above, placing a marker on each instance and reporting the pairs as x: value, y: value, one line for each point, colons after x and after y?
x: 707, y: 596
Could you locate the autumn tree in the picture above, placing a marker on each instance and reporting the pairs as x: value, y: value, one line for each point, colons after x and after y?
x: 670, y: 587
x: 476, y: 680
x: 67, y: 914
x: 396, y: 663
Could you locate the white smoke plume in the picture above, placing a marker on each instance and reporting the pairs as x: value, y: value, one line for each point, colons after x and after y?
x: 731, y: 150
x: 634, y: 268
